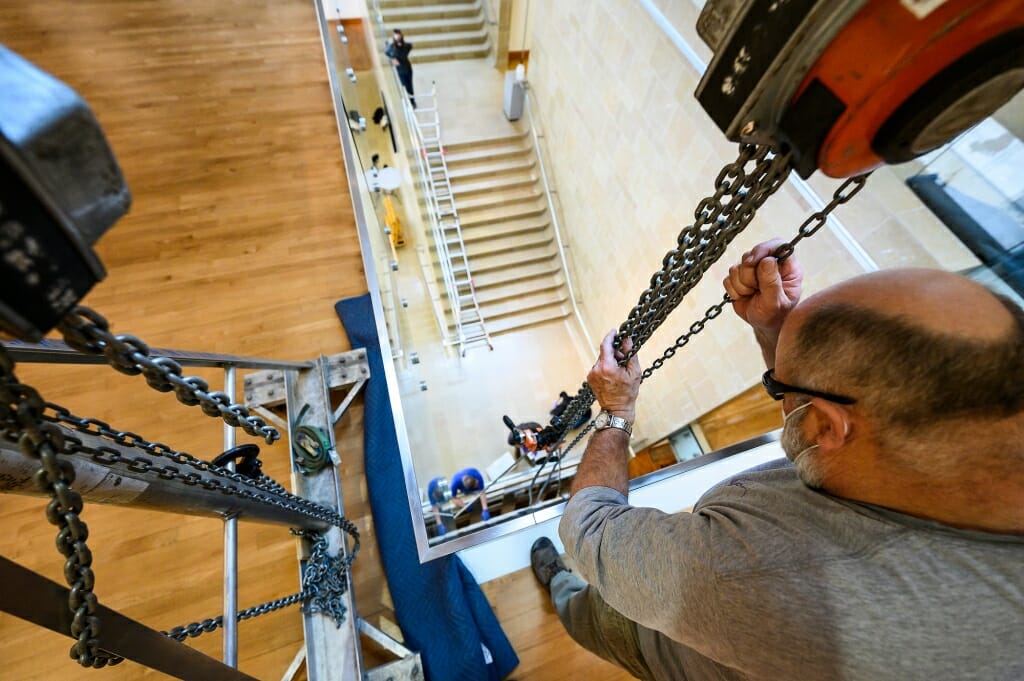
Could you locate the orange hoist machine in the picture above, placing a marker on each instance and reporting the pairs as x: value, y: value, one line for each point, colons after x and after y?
x: 850, y: 85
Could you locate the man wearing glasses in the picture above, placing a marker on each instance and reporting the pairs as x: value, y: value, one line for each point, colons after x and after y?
x: 889, y: 546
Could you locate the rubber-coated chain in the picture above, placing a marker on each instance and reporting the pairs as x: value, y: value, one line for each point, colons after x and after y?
x: 88, y: 331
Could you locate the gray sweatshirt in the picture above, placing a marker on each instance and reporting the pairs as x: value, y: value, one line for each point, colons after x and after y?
x: 770, y: 580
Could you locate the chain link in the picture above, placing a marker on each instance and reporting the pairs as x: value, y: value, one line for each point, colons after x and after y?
x: 740, y: 189
x: 25, y: 419
x: 88, y: 331
x: 262, y: 490
x: 324, y: 585
x: 21, y: 414
x: 809, y: 227
x: 669, y: 284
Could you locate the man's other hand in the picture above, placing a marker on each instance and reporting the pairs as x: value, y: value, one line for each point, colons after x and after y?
x: 763, y: 291
x: 616, y: 387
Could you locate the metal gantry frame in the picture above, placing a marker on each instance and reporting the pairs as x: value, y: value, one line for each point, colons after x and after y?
x: 331, y: 650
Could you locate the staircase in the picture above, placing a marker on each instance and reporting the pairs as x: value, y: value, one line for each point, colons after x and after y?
x: 453, y: 29
x: 507, y: 232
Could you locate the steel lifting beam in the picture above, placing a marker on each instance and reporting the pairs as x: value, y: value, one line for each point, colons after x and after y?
x: 120, y: 483
x: 50, y: 351
x: 41, y: 601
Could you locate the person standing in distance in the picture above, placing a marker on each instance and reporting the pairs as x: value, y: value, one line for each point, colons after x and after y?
x: 398, y: 51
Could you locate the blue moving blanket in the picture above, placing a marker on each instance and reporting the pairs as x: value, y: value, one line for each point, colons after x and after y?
x: 440, y: 607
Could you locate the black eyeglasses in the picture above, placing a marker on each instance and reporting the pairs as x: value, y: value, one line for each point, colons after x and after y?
x: 777, y: 390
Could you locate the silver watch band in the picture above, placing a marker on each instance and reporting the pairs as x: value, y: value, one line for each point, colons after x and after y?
x: 607, y: 420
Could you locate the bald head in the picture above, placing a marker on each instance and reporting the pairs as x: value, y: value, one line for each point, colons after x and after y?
x: 934, y: 300
x: 914, y: 347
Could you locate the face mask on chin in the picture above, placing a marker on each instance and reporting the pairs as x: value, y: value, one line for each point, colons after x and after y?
x: 798, y: 448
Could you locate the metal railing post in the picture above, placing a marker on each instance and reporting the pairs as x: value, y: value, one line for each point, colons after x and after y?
x: 230, y: 547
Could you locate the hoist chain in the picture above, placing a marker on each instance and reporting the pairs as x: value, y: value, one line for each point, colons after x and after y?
x: 324, y: 585
x: 659, y: 300
x: 812, y: 224
x: 718, y: 219
x: 32, y: 423
x: 88, y: 331
x: 262, y: 490
x: 21, y: 413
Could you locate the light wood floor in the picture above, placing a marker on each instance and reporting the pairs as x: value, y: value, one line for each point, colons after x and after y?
x: 240, y: 240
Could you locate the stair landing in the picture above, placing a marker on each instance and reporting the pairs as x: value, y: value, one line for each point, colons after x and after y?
x: 470, y: 93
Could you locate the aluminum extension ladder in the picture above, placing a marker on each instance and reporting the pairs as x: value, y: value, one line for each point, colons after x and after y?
x: 470, y: 328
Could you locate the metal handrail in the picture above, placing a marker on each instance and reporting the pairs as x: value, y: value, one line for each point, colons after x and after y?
x: 408, y: 119
x: 487, y: 12
x: 444, y: 258
x: 554, y: 214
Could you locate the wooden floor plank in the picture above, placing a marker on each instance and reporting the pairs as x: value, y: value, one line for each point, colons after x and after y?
x: 240, y: 240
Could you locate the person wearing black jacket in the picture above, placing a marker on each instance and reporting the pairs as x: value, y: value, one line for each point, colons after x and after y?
x: 398, y: 51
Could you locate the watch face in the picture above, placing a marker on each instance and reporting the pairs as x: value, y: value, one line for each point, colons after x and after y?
x: 602, y: 420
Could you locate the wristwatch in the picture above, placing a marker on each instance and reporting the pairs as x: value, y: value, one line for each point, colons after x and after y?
x: 606, y: 420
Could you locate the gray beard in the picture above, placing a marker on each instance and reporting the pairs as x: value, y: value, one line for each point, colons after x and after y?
x: 801, y: 452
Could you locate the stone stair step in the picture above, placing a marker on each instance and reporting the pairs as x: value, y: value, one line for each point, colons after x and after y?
x: 508, y: 262
x: 518, y: 242
x: 489, y: 167
x: 494, y: 187
x: 496, y: 199
x: 449, y: 53
x: 430, y: 26
x: 386, y: 4
x: 492, y: 312
x: 508, y: 228
x: 507, y: 151
x: 466, y: 146
x: 501, y: 277
x: 532, y: 318
x: 510, y: 259
x: 448, y: 38
x: 488, y: 215
x: 405, y: 16
x: 516, y: 289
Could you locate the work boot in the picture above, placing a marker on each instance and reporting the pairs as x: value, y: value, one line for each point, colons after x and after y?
x: 545, y: 561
